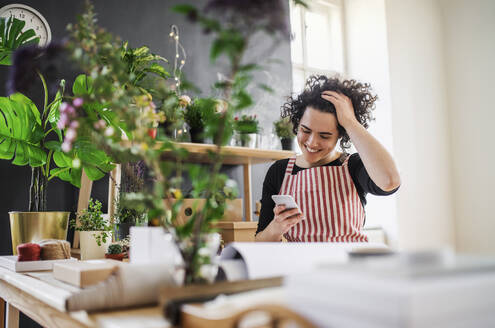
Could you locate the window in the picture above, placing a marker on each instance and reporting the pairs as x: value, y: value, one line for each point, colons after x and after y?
x: 317, y: 46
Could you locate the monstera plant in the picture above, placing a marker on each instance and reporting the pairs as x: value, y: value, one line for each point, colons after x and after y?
x: 12, y: 37
x: 29, y: 136
x: 42, y: 137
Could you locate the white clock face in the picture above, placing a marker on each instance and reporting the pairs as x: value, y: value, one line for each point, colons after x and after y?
x: 32, y: 18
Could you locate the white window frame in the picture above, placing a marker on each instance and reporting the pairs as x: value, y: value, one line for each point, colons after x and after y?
x: 335, y: 8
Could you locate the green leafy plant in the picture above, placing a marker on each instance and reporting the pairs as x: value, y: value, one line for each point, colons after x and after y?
x: 92, y: 219
x: 12, y: 37
x: 283, y: 128
x: 246, y: 124
x: 114, y: 249
x: 140, y: 62
x: 197, y: 113
x: 193, y: 114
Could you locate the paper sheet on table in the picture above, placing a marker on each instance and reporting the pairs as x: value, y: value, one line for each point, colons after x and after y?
x: 264, y: 260
x: 130, y: 285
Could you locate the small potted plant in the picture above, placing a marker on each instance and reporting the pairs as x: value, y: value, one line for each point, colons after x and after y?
x: 115, y: 252
x: 193, y: 116
x: 246, y: 128
x: 94, y: 231
x: 283, y: 130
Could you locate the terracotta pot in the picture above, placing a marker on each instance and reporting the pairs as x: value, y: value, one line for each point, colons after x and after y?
x: 117, y: 257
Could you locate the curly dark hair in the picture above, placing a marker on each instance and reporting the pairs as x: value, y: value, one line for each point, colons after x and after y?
x: 360, y: 94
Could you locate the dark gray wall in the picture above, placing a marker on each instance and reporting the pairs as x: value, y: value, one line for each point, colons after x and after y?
x: 143, y: 23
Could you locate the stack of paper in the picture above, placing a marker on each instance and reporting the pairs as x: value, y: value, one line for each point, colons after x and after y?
x: 407, y: 290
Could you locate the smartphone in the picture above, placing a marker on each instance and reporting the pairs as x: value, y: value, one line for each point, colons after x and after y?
x: 286, y: 200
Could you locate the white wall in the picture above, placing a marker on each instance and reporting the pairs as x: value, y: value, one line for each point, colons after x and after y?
x: 470, y: 61
x: 420, y: 123
x: 367, y: 61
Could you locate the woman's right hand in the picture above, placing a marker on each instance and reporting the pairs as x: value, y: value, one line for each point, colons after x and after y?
x: 283, y: 220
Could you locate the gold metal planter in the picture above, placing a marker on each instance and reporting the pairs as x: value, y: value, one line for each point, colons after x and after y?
x: 28, y: 227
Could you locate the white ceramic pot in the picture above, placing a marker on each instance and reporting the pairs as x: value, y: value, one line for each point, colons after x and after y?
x: 90, y: 248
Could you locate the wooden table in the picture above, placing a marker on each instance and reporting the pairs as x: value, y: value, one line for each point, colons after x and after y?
x: 45, y: 304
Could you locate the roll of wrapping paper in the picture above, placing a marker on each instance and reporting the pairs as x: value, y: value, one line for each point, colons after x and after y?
x: 28, y: 252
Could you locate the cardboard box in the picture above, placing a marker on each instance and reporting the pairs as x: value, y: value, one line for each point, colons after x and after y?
x: 233, y: 209
x: 84, y: 273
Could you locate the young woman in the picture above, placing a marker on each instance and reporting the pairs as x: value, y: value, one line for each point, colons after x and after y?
x: 329, y: 186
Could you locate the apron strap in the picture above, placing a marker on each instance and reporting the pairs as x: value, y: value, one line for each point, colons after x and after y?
x: 290, y: 166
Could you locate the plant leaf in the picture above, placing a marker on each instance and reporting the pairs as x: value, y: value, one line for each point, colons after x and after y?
x: 94, y: 161
x: 184, y: 9
x: 20, y: 131
x: 83, y: 85
x: 54, y: 114
x: 158, y: 69
x: 12, y: 37
x: 265, y: 87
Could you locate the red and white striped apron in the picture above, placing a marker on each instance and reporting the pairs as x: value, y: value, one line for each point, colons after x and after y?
x: 329, y: 201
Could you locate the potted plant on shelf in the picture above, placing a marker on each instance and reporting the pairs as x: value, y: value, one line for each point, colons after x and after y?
x: 194, y: 115
x: 283, y: 129
x: 246, y: 128
x: 115, y: 252
x: 94, y: 230
x: 40, y: 136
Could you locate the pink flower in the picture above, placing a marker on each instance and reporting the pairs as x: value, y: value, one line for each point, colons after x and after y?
x: 70, y: 135
x: 77, y: 102
x: 62, y: 122
x: 99, y: 124
x: 70, y: 110
x: 63, y: 107
x: 66, y: 146
x: 184, y: 100
x: 74, y: 124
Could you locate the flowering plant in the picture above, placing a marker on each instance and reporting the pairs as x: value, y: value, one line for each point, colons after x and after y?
x: 246, y: 124
x: 131, y: 109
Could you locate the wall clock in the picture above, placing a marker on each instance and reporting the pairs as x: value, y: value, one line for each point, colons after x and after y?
x: 33, y: 20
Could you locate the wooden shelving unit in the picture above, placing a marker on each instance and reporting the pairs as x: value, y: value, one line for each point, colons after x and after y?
x: 198, y: 153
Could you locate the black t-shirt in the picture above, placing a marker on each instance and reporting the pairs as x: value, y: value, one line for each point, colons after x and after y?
x: 275, y: 176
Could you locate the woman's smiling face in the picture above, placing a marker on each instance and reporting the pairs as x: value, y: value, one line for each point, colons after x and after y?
x: 317, y: 136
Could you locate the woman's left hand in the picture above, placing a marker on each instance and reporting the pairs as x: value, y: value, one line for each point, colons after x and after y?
x: 343, y: 107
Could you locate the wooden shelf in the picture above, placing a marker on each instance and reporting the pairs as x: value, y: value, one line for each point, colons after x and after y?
x: 198, y: 153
